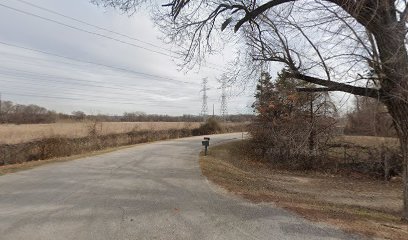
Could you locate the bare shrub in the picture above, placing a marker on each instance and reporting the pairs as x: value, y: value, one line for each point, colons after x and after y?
x: 381, y: 160
x: 211, y: 126
x: 369, y: 118
x: 286, y: 143
x: 61, y: 147
x: 94, y: 128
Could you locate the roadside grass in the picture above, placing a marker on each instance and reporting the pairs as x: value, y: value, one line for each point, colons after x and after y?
x: 28, y: 154
x: 12, y: 168
x: 14, y: 134
x: 357, y: 205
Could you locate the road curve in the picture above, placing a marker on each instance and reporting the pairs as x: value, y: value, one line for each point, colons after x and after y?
x: 150, y: 191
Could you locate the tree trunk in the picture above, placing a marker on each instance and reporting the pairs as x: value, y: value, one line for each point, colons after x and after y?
x: 404, y: 148
x: 397, y: 104
x: 390, y: 39
x: 399, y: 112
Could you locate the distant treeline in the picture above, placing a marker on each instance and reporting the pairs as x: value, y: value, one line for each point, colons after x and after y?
x: 31, y: 114
x: 19, y: 114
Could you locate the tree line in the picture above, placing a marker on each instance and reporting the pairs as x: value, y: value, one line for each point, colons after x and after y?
x: 14, y: 113
x: 20, y: 114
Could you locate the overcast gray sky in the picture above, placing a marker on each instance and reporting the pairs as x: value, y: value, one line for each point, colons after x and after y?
x: 128, y: 77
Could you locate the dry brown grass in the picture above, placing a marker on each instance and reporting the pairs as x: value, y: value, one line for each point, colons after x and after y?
x: 11, y: 134
x: 369, y: 141
x: 361, y: 205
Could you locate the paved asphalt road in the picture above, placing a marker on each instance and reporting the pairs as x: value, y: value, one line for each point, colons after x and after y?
x: 150, y: 191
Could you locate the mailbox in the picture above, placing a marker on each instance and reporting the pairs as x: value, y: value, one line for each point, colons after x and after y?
x: 206, y: 143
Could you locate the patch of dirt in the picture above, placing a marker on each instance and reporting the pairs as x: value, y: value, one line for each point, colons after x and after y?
x: 357, y: 205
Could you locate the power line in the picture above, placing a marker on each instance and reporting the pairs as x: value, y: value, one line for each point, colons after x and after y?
x: 63, y: 98
x: 120, y: 94
x: 27, y: 85
x: 93, y: 33
x: 106, y: 29
x: 88, y: 62
x: 83, y: 99
x: 1, y: 115
x: 81, y: 29
x: 152, y: 76
x: 152, y: 97
x: 81, y: 82
x: 92, y: 25
x: 8, y: 56
x: 116, y: 79
x: 145, y: 99
x: 224, y: 105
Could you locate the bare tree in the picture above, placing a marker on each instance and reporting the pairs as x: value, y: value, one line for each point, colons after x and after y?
x: 341, y: 45
x: 370, y: 118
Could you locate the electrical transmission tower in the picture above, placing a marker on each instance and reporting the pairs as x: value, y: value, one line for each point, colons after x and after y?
x: 204, y: 107
x: 224, y: 106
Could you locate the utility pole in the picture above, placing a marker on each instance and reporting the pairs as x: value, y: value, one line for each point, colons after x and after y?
x: 312, y: 128
x: 224, y: 106
x: 204, y: 107
x: 1, y: 115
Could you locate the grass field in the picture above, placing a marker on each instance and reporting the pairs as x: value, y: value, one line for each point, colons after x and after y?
x: 10, y: 133
x: 359, y: 205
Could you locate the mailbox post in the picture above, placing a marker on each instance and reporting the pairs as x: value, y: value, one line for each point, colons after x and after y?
x: 206, y: 143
